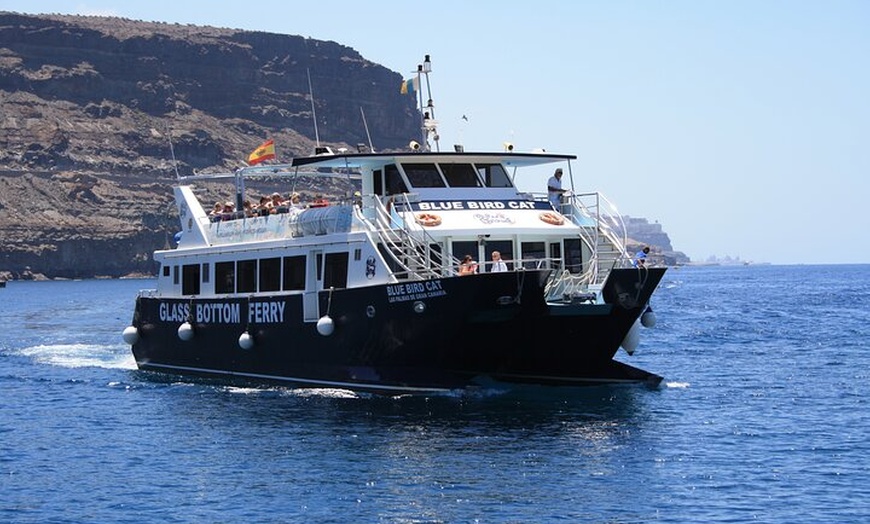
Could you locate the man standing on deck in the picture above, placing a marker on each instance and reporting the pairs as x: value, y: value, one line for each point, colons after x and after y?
x: 555, y: 191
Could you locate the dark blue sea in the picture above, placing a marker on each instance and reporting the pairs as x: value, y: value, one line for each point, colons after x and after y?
x: 763, y: 416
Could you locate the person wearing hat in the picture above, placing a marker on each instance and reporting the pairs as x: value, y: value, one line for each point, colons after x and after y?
x: 555, y: 191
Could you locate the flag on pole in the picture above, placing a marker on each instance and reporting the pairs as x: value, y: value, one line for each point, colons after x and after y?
x: 410, y: 86
x: 266, y: 151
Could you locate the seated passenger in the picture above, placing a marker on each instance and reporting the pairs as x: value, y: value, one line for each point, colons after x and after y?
x: 468, y: 266
x: 296, y: 201
x: 248, y: 208
x: 319, y: 201
x: 215, y: 213
x: 275, y: 201
x: 228, y: 211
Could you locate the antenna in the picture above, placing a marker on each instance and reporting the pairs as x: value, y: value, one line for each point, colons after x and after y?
x: 313, y: 113
x: 430, y: 125
x: 172, y: 152
x: 371, y: 147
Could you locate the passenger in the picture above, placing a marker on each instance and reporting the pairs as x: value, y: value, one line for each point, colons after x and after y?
x: 263, y: 206
x: 275, y: 202
x: 296, y: 201
x: 555, y: 191
x: 498, y: 265
x: 228, y: 210
x: 319, y: 201
x: 640, y: 257
x: 248, y: 207
x: 468, y: 266
x: 216, y: 211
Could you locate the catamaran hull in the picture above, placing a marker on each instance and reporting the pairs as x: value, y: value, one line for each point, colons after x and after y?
x: 409, y: 337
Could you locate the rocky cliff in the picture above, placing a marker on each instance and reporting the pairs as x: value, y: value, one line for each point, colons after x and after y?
x: 642, y: 233
x: 90, y: 106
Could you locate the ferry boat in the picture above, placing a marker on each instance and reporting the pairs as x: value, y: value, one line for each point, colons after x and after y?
x: 369, y: 292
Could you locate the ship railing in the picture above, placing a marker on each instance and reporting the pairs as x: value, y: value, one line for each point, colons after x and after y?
x: 411, y: 252
x: 606, y: 239
x: 603, y: 232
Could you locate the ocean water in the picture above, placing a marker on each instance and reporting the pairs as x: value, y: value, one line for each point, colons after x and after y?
x: 763, y: 416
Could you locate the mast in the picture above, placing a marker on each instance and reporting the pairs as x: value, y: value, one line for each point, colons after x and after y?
x: 430, y: 125
x: 313, y: 113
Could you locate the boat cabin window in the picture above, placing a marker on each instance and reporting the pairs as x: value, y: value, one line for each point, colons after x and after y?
x: 505, y: 249
x: 294, y: 273
x: 190, y: 279
x: 224, y: 277
x: 466, y: 247
x: 494, y: 175
x: 165, y: 271
x: 378, y: 181
x: 574, y: 255
x: 460, y: 175
x: 206, y: 276
x: 395, y: 183
x: 555, y: 254
x: 533, y: 255
x: 270, y: 274
x: 335, y: 270
x: 175, y: 275
x: 246, y: 276
x: 423, y: 175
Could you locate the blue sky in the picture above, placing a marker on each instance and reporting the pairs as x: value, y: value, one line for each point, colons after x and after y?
x: 743, y: 127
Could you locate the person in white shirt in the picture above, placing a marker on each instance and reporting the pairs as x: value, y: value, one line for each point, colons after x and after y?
x: 498, y: 265
x: 555, y: 191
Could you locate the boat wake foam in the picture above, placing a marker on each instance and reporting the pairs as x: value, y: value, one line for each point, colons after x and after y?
x: 80, y: 356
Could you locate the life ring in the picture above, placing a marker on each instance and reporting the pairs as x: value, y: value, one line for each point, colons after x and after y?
x: 551, y: 218
x: 428, y: 219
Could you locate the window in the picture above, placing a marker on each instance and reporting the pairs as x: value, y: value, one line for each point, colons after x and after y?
x: 467, y: 247
x: 574, y: 255
x: 555, y: 255
x: 494, y: 175
x: 246, y: 276
x: 190, y: 279
x: 395, y: 184
x: 533, y: 255
x: 505, y: 248
x: 270, y: 274
x: 357, y: 255
x: 335, y: 270
x: 460, y: 175
x: 423, y: 175
x: 435, y: 258
x: 175, y: 275
x: 225, y: 277
x: 294, y: 273
x: 377, y: 175
x: 205, y: 273
x: 165, y: 271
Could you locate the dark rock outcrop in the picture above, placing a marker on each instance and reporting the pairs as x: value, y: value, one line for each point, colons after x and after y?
x: 90, y: 105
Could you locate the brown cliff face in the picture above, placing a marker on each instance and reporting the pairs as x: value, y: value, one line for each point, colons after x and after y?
x: 89, y: 106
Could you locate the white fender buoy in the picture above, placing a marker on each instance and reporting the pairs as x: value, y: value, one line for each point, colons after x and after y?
x: 185, y: 331
x: 325, y: 326
x: 246, y: 341
x: 632, y: 338
x: 130, y: 335
x: 648, y: 319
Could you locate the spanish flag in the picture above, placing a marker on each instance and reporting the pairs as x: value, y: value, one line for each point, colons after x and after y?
x: 266, y: 151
